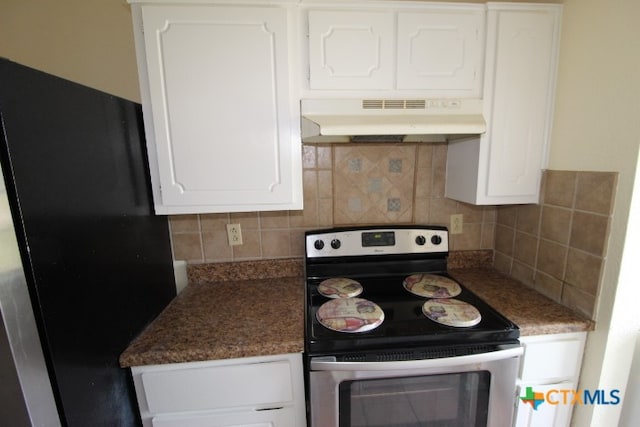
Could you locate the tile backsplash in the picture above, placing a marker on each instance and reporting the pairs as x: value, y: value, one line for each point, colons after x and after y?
x: 344, y: 184
x: 559, y: 246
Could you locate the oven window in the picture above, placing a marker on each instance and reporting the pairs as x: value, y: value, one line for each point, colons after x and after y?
x: 451, y: 400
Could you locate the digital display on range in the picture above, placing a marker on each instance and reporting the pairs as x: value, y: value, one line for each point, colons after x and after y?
x: 384, y: 238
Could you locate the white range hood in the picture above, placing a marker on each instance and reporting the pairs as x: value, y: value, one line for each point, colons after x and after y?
x: 345, y: 120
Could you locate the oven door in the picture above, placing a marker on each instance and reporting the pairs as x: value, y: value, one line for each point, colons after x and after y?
x: 476, y: 390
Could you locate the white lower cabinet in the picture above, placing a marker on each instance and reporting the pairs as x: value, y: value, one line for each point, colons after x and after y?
x: 549, y: 373
x: 258, y: 392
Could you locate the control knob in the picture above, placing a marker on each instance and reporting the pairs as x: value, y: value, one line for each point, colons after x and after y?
x: 436, y: 240
x: 318, y: 244
x: 335, y: 243
x: 421, y: 240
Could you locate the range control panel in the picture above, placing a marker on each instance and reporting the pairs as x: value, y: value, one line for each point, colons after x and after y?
x: 376, y: 241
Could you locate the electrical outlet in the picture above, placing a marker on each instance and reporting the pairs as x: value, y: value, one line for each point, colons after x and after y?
x: 456, y: 224
x: 234, y: 234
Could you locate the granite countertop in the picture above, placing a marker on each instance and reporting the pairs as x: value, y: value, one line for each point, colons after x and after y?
x: 214, y: 318
x: 257, y: 309
x: 534, y: 313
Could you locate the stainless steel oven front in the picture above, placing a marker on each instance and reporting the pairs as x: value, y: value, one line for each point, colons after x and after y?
x: 476, y: 390
x: 392, y: 341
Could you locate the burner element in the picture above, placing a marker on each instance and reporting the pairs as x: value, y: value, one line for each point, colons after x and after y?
x: 339, y: 287
x: 451, y: 312
x: 350, y: 315
x: 431, y: 286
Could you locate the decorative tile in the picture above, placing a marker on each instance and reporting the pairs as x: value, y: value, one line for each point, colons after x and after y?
x: 395, y: 165
x: 355, y: 165
x: 394, y: 205
x: 366, y: 177
x: 375, y: 185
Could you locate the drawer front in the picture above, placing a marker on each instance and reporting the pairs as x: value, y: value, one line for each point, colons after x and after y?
x: 275, y: 418
x: 551, y: 360
x: 207, y: 388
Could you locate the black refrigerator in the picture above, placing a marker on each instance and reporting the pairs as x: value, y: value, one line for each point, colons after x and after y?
x: 85, y: 264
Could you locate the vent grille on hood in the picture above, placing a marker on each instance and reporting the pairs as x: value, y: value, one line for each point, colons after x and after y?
x: 340, y: 120
x: 394, y: 104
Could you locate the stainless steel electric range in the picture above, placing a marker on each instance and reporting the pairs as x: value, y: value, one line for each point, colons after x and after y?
x: 392, y: 340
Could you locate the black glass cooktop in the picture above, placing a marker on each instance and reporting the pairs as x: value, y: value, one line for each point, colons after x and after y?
x: 404, y: 325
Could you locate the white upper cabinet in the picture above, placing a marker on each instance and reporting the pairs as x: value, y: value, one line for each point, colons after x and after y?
x: 419, y: 49
x: 351, y: 50
x: 504, y: 165
x: 221, y: 120
x: 441, y: 50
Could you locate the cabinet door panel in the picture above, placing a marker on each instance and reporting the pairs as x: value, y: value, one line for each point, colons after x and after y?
x: 271, y: 418
x: 199, y: 389
x: 222, y: 117
x: 351, y: 50
x: 522, y: 93
x: 546, y: 414
x: 564, y: 363
x: 441, y: 51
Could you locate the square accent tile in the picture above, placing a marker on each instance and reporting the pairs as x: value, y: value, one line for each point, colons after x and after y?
x: 394, y: 205
x: 355, y: 204
x: 355, y: 165
x: 395, y: 165
x: 376, y: 181
x: 375, y: 185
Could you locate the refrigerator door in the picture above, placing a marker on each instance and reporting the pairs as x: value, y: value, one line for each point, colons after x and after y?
x: 25, y: 389
x: 97, y: 262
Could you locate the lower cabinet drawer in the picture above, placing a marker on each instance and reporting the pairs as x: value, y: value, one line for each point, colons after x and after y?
x: 209, y: 388
x: 552, y: 359
x: 270, y: 418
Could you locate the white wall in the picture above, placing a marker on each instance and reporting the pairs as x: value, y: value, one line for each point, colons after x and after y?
x: 89, y: 42
x: 630, y: 407
x: 597, y: 127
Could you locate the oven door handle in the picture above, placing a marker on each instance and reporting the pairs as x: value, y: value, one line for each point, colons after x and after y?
x: 330, y: 363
